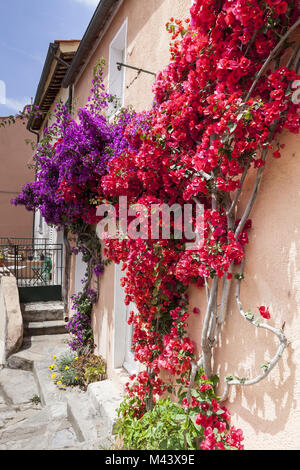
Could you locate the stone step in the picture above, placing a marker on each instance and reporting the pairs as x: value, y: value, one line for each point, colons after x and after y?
x: 38, y: 348
x: 88, y: 423
x: 18, y: 386
x: 52, y: 327
x: 42, y: 311
x: 106, y: 399
x: 74, y: 418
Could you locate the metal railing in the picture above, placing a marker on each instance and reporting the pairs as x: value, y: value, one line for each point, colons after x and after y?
x: 32, y: 263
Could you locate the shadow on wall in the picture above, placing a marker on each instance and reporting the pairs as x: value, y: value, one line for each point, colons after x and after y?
x: 272, y: 278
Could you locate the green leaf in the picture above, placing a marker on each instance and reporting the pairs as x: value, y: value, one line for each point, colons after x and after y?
x: 248, y: 116
x: 229, y: 377
x: 249, y: 315
x: 239, y: 277
x: 265, y: 366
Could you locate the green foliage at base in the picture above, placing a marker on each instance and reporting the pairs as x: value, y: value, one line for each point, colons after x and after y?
x: 167, y: 426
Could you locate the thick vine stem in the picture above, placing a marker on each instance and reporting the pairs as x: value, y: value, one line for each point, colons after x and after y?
x: 205, y: 343
x: 283, y: 343
x: 223, y: 307
x: 255, y: 187
x: 86, y: 239
x: 220, y: 318
x: 195, y: 367
x: 68, y: 253
x: 271, y: 56
x: 205, y: 358
x: 293, y: 56
x: 149, y: 400
x: 229, y: 212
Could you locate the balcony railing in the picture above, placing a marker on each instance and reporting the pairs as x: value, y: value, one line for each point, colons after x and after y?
x: 32, y: 262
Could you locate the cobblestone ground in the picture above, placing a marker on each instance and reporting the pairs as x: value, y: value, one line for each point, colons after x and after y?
x: 24, y: 423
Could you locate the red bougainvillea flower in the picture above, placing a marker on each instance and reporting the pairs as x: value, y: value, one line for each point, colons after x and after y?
x: 264, y: 311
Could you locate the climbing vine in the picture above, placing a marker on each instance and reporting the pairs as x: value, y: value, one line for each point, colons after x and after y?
x: 70, y: 160
x: 220, y: 106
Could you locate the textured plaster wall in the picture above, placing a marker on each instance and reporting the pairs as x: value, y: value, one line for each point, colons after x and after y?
x: 147, y: 48
x: 15, y: 154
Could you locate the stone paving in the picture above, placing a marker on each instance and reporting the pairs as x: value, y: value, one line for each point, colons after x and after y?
x: 62, y: 420
x: 25, y: 424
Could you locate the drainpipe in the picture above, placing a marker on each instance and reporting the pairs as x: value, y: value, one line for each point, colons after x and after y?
x: 70, y: 100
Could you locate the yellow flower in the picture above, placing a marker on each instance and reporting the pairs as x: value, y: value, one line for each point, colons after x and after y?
x: 54, y: 357
x: 51, y: 367
x: 76, y: 358
x: 76, y: 378
x: 53, y: 376
x: 67, y: 367
x: 59, y: 382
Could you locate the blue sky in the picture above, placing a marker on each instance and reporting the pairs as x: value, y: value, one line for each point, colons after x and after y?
x: 26, y: 29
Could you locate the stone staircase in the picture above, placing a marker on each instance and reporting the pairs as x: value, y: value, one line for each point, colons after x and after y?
x: 43, y: 318
x: 91, y: 414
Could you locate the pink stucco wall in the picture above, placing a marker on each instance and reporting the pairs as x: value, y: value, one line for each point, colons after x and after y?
x: 15, y: 154
x: 269, y: 412
x: 147, y: 47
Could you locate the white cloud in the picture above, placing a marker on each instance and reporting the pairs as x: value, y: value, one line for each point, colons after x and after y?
x: 88, y: 3
x: 16, y: 105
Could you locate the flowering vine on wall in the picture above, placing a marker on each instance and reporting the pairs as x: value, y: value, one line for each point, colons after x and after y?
x: 70, y: 161
x: 219, y: 108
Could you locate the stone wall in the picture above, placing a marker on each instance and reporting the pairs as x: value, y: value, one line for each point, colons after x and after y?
x: 11, y: 321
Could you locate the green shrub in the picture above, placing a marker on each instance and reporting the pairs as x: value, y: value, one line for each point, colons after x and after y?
x: 93, y: 374
x: 71, y: 370
x: 91, y: 368
x: 167, y: 426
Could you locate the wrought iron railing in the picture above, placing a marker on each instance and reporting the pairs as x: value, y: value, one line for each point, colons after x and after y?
x: 32, y: 262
